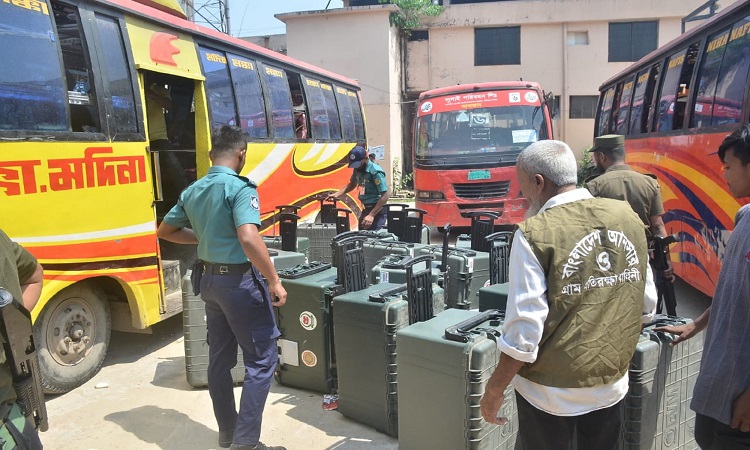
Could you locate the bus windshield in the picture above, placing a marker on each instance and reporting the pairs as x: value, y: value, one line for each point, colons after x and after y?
x: 482, y: 133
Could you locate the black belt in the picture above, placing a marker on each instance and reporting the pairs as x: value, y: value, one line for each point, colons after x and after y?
x: 228, y: 269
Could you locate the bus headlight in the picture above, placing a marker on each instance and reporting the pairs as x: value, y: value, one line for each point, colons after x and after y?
x: 430, y: 196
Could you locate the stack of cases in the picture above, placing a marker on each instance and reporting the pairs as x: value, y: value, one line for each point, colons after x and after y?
x: 657, y: 406
x: 320, y: 236
x: 306, y: 356
x: 468, y: 271
x: 195, y: 330
x: 366, y: 323
x: 442, y: 380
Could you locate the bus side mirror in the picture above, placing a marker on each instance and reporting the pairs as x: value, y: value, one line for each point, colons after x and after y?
x: 552, y: 106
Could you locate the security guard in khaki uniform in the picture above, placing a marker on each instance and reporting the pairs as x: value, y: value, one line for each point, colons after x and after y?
x: 618, y: 181
x: 21, y: 275
x: 373, y: 190
x: 224, y: 211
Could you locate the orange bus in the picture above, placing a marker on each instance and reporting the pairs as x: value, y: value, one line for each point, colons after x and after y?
x: 675, y: 106
x: 88, y: 165
x: 466, y: 142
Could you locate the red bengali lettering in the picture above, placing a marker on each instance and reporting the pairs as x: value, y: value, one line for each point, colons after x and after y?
x: 14, y: 174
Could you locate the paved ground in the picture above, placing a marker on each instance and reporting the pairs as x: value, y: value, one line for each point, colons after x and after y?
x: 148, y: 403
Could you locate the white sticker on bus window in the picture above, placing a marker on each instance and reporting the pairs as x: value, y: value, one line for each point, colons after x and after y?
x: 524, y: 136
x: 462, y: 117
x: 531, y: 97
x: 514, y: 97
x: 699, y: 107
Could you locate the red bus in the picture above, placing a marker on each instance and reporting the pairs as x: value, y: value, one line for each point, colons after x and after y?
x: 466, y: 142
x: 675, y: 106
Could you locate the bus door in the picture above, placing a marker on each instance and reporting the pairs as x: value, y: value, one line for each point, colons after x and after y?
x: 172, y: 94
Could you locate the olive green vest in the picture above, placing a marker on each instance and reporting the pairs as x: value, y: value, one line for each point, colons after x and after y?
x: 594, y: 256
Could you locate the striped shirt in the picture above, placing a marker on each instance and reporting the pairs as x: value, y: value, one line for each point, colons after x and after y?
x: 725, y: 366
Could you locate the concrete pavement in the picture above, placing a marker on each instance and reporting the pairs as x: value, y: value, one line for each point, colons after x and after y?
x: 148, y: 404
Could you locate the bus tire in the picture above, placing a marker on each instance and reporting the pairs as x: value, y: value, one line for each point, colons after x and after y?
x: 72, y: 335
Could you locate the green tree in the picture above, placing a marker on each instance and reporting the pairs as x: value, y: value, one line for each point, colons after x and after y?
x: 407, y: 17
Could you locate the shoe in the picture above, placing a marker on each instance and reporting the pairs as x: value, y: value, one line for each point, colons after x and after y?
x: 258, y: 446
x: 225, y: 438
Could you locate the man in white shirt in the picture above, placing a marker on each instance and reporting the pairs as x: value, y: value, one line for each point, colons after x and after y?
x: 580, y: 288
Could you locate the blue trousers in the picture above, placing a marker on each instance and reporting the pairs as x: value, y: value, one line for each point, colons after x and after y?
x: 377, y: 222
x: 238, y: 311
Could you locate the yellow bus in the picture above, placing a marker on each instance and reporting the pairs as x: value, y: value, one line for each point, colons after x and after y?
x: 106, y: 109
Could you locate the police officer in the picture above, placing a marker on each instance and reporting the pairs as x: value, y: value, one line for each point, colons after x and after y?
x: 618, y: 181
x: 224, y: 211
x: 373, y: 190
x: 21, y: 275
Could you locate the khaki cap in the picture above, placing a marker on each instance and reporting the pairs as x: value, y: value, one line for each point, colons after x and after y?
x: 608, y: 142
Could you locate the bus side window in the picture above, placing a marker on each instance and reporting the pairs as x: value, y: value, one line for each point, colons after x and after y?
x: 221, y: 104
x: 345, y: 112
x: 334, y: 121
x: 117, y: 76
x: 636, y: 109
x: 730, y: 88
x: 650, y: 101
x: 249, y: 94
x: 84, y: 114
x: 605, y: 112
x: 318, y: 113
x: 280, y: 98
x: 32, y: 91
x: 621, y: 121
x: 674, y: 90
x: 359, y: 123
x: 300, y: 106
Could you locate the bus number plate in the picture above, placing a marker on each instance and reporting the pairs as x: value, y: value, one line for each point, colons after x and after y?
x: 479, y: 175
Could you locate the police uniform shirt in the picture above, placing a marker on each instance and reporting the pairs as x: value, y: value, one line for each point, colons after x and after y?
x: 214, y: 207
x: 372, y: 183
x: 17, y: 265
x: 620, y: 182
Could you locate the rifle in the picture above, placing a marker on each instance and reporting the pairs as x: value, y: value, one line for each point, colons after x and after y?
x: 20, y: 352
x: 665, y: 289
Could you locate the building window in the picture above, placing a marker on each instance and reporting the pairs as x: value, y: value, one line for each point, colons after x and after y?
x: 497, y: 46
x: 578, y: 38
x: 630, y: 41
x: 419, y: 35
x: 583, y: 106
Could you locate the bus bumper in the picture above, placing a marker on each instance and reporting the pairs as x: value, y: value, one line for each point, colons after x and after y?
x: 458, y: 214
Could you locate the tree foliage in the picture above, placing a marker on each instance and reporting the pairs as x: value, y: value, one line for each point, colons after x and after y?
x: 407, y: 17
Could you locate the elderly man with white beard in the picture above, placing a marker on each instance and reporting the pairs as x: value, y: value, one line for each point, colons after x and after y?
x: 580, y: 288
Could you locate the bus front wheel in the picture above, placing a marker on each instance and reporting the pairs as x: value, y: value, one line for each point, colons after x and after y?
x: 72, y: 335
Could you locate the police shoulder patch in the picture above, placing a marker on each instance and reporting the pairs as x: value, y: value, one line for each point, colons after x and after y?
x: 254, y: 202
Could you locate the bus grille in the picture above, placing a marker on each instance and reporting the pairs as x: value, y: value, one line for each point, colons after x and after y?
x: 473, y: 191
